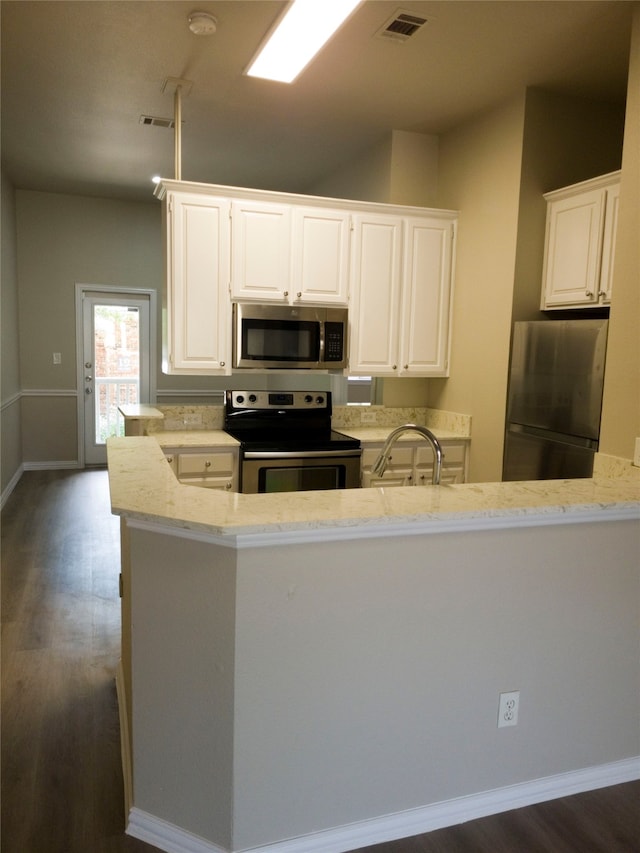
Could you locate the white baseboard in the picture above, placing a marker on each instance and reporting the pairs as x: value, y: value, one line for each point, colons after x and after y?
x: 63, y: 465
x: 172, y: 839
x: 166, y: 836
x: 13, y: 482
x: 125, y: 740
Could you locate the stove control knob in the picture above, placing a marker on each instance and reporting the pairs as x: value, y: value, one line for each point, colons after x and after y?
x: 308, y: 398
x: 239, y: 399
x: 319, y: 400
x: 252, y: 398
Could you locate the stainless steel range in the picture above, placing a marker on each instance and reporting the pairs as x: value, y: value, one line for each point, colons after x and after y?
x: 287, y: 444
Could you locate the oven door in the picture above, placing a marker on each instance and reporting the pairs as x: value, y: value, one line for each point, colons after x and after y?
x: 299, y: 471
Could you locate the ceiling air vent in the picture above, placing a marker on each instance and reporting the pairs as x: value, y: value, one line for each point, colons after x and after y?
x: 156, y: 121
x: 401, y: 26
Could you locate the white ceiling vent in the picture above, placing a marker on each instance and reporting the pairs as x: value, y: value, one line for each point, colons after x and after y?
x: 401, y: 26
x: 157, y: 121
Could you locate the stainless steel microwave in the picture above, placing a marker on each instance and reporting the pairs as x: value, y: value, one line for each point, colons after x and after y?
x: 289, y: 336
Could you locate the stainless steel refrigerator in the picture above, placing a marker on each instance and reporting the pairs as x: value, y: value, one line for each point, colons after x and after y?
x: 554, y: 399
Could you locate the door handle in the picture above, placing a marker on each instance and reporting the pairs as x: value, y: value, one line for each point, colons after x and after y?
x: 88, y: 390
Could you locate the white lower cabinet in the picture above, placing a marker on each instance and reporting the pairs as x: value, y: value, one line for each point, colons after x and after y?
x: 209, y: 468
x: 411, y: 464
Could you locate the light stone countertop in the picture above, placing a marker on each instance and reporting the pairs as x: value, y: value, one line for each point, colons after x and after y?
x: 195, y: 438
x: 219, y: 438
x: 145, y: 490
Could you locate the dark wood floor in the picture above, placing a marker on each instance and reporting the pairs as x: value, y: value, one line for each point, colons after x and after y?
x: 61, y: 782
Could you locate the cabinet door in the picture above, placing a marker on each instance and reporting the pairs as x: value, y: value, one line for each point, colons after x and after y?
x: 572, y: 250
x: 399, y: 470
x: 609, y: 243
x: 198, y: 311
x: 375, y: 277
x: 320, y: 255
x: 426, y: 297
x: 454, y: 464
x: 261, y: 251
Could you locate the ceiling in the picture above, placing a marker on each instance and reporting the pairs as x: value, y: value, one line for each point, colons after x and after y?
x: 77, y: 76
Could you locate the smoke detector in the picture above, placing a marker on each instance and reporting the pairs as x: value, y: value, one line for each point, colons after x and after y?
x: 202, y: 23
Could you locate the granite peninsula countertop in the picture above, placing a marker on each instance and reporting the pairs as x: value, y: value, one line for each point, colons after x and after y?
x: 145, y: 490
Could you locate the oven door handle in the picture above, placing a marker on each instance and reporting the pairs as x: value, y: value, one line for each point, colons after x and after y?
x: 300, y: 454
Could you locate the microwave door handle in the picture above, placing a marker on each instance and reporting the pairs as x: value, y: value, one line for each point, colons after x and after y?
x: 322, y: 341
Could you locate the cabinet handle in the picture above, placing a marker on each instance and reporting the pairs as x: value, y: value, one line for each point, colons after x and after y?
x: 394, y: 366
x: 286, y: 294
x: 602, y: 294
x: 589, y: 293
x: 222, y: 364
x: 410, y: 477
x: 207, y: 464
x: 299, y: 294
x: 228, y: 486
x: 406, y: 367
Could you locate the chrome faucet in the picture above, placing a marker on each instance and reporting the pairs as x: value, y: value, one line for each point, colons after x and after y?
x: 380, y: 465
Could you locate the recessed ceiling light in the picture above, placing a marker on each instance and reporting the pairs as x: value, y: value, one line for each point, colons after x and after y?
x: 305, y: 27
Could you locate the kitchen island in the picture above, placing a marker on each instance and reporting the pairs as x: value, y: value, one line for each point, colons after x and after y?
x: 321, y: 671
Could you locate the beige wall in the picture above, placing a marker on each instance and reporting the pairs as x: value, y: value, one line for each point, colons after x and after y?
x: 621, y: 407
x: 401, y: 169
x: 10, y: 416
x: 479, y: 175
x: 555, y: 155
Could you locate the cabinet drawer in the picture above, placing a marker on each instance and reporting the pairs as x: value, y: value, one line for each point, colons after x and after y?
x: 453, y: 454
x: 205, y: 463
x: 401, y: 457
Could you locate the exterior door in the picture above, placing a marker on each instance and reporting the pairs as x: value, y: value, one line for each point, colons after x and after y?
x: 115, y: 365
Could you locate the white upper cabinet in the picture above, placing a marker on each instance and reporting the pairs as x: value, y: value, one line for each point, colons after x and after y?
x: 391, y: 265
x: 426, y: 296
x: 261, y: 251
x: 197, y: 309
x: 290, y: 254
x: 320, y: 256
x: 402, y: 268
x: 376, y: 269
x: 580, y: 244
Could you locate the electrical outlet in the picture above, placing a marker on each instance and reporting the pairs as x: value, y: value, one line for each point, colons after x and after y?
x: 57, y: 358
x: 368, y: 418
x: 508, y: 709
x: 636, y: 454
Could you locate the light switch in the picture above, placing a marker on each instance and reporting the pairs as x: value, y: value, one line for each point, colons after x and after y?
x: 57, y: 358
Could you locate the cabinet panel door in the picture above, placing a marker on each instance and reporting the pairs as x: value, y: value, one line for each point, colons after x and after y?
x: 424, y: 337
x: 261, y: 251
x: 198, y: 309
x: 320, y: 255
x: 609, y: 242
x: 572, y: 256
x: 376, y: 270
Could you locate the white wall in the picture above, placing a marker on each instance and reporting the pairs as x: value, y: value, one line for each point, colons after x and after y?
x: 63, y: 240
x: 366, y: 674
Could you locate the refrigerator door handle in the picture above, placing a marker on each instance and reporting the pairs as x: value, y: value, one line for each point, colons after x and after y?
x: 549, y: 435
